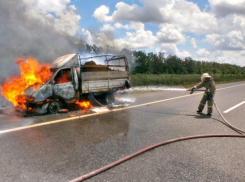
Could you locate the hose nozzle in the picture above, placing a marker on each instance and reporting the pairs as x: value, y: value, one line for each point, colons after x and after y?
x: 192, y: 90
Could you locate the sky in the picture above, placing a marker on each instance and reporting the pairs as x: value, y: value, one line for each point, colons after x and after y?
x: 209, y: 30
x: 206, y: 30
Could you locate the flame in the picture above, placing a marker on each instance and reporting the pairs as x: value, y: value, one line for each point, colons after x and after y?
x: 84, y: 105
x: 31, y: 73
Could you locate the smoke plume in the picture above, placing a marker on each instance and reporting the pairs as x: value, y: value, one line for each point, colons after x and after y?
x: 32, y: 29
x: 42, y: 29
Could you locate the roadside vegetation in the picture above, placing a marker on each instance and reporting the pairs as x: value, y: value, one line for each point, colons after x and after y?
x: 180, y: 80
x: 155, y: 69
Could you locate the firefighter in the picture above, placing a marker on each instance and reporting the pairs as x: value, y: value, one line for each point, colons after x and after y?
x: 209, y: 84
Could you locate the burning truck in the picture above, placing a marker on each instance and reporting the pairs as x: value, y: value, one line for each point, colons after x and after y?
x: 70, y: 81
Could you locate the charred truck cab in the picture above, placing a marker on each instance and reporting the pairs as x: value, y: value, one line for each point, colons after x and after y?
x: 75, y: 79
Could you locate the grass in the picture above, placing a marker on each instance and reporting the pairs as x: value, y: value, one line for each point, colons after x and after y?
x: 180, y: 80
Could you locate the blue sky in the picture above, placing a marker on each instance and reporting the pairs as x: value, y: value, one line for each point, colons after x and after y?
x: 208, y: 30
x: 204, y: 30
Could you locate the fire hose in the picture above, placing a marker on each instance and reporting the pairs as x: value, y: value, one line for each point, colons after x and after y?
x: 96, y: 172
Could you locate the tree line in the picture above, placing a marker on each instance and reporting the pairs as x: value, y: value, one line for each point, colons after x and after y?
x: 153, y: 63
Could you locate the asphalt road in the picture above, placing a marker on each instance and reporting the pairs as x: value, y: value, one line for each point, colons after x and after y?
x: 63, y: 147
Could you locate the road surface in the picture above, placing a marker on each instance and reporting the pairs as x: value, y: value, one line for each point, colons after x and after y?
x: 63, y: 147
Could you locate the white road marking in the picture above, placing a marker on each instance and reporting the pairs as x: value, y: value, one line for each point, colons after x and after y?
x: 228, y: 110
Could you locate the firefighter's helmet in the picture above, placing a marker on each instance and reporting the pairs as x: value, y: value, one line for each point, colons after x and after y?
x: 205, y: 75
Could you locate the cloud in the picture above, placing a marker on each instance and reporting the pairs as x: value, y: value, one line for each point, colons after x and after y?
x: 222, y: 8
x: 130, y: 26
x: 170, y: 34
x: 222, y: 56
x: 126, y: 12
x: 140, y: 39
x: 193, y: 43
x: 101, y: 14
x: 171, y: 49
x: 160, y: 12
x: 136, y: 26
x: 107, y: 27
x: 121, y: 26
x: 234, y: 40
x: 203, y: 52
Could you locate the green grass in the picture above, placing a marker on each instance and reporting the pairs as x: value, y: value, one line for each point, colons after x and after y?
x: 180, y: 80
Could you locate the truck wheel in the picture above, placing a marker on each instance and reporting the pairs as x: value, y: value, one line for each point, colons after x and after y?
x: 54, y: 106
x: 109, y: 99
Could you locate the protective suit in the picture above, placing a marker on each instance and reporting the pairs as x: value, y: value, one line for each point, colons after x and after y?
x: 209, y: 84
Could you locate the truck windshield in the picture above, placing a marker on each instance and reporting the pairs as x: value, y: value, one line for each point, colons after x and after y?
x: 63, y: 76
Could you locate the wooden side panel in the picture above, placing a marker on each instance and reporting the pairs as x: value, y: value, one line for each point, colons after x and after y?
x: 102, y: 85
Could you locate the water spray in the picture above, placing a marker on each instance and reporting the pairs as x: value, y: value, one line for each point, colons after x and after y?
x: 156, y: 88
x: 122, y: 99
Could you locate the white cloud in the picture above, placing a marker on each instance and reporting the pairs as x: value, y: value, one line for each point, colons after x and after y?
x: 170, y: 34
x: 140, y: 39
x: 131, y: 25
x: 178, y: 12
x: 233, y: 40
x: 119, y: 26
x: 171, y: 49
x: 107, y: 27
x: 136, y: 26
x: 193, y: 43
x: 101, y: 14
x: 223, y: 56
x: 203, y: 52
x: 231, y: 22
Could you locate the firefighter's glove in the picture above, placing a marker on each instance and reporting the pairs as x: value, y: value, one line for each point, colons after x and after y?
x: 192, y: 90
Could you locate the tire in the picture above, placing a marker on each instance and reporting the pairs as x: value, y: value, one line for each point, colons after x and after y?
x: 109, y: 99
x: 54, y: 106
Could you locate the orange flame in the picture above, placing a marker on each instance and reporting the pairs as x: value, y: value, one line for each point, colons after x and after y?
x: 31, y: 73
x: 85, y: 104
